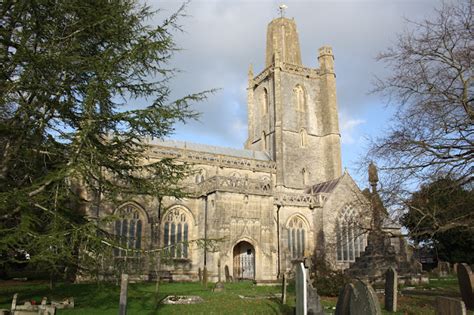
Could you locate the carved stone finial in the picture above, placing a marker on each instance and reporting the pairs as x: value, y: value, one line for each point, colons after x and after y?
x: 282, y: 9
x: 373, y: 176
x: 250, y: 73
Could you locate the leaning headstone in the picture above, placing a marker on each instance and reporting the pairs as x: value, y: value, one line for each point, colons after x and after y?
x: 200, y: 275
x: 364, y: 300
x: 314, y: 301
x: 449, y: 306
x: 123, y: 294
x: 15, y: 296
x: 301, y: 290
x: 344, y: 299
x: 283, y: 290
x: 228, y: 277
x: 466, y: 285
x: 391, y: 290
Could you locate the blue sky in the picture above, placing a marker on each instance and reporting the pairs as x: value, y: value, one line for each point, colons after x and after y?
x: 222, y: 37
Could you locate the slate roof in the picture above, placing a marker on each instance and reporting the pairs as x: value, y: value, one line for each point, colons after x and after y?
x: 241, y: 153
x: 324, y: 187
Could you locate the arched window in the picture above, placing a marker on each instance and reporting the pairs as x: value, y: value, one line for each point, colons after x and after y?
x: 296, y: 237
x: 350, y: 238
x: 303, y: 138
x: 299, y: 98
x: 264, y: 101
x: 128, y: 231
x: 176, y: 233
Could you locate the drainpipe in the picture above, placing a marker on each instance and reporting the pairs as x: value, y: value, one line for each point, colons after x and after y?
x: 278, y: 241
x: 205, y: 231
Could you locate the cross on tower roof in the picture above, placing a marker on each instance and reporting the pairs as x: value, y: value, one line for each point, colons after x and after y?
x: 282, y: 9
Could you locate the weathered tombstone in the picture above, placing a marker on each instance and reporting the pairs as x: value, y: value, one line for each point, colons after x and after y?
x: 391, y: 290
x: 228, y: 277
x: 466, y: 285
x: 301, y: 290
x: 449, y: 306
x: 455, y: 268
x: 15, y: 296
x: 204, y: 277
x: 200, y: 275
x: 344, y: 299
x: 283, y: 290
x: 123, y: 294
x: 314, y: 301
x: 364, y: 300
x: 444, y: 269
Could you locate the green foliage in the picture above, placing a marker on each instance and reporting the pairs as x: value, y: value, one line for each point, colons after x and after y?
x: 72, y: 135
x: 327, y: 281
x: 438, y: 216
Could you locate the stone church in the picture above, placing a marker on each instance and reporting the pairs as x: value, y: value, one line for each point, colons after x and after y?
x: 281, y: 198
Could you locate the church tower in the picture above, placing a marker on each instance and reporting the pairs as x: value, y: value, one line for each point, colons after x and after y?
x: 292, y: 111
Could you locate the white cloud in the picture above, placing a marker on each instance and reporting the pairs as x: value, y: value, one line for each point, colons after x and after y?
x: 349, y: 132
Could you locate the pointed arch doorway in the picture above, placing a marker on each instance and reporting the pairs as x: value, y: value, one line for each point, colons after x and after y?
x: 244, y: 261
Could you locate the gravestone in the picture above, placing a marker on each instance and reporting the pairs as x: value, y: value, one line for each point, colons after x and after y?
x: 455, y: 268
x: 364, y: 300
x: 219, y: 285
x: 391, y: 290
x: 204, y: 277
x: 314, y: 301
x: 301, y: 290
x: 283, y: 290
x: 123, y: 294
x: 466, y: 285
x: 200, y: 275
x: 228, y: 277
x: 444, y: 269
x: 344, y: 299
x: 449, y: 306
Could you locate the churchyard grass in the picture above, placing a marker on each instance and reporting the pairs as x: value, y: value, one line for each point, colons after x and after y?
x: 104, y: 298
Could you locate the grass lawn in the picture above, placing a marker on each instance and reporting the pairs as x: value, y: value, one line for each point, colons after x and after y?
x: 104, y: 298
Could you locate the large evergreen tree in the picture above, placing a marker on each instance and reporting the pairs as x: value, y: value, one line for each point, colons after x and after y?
x: 71, y: 134
x: 434, y: 210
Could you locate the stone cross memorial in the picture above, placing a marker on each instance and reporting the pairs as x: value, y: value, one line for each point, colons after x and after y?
x: 391, y: 290
x: 301, y: 290
x: 466, y: 285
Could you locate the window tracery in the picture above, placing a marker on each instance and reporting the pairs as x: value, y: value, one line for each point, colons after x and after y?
x: 350, y: 238
x: 296, y: 237
x: 128, y: 231
x: 176, y: 233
